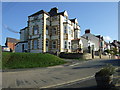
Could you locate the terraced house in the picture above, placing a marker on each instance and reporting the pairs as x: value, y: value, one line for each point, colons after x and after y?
x: 49, y: 31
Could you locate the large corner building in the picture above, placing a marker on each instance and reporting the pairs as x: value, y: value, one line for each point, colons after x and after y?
x: 49, y: 31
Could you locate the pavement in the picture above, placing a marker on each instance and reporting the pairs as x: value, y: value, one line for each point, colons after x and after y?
x: 51, y: 77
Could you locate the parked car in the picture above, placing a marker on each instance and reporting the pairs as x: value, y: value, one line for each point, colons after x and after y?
x: 5, y: 49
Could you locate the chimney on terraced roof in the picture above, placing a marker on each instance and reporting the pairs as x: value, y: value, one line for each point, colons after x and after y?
x: 87, y: 31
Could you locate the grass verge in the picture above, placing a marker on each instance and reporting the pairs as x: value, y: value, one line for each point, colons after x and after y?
x: 29, y: 60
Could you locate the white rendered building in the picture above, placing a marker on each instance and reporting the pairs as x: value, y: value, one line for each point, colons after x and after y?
x: 96, y: 42
x: 49, y: 31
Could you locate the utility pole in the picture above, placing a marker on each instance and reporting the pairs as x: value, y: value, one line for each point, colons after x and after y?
x: 92, y: 51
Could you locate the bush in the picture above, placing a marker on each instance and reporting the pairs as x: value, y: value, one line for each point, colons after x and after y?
x: 29, y: 60
x: 108, y: 51
x: 106, y: 71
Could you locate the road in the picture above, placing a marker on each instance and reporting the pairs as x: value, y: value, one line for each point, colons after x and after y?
x: 90, y: 83
x: 54, y: 76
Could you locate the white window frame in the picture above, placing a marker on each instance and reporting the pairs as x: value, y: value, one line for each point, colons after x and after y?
x: 65, y: 29
x: 47, y: 30
x: 54, y: 30
x: 65, y: 44
x: 47, y: 43
x: 69, y: 45
x: 54, y: 45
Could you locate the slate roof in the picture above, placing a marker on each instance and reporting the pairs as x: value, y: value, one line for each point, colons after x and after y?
x: 21, y: 42
x: 72, y: 20
x: 99, y: 36
x: 84, y: 38
x: 61, y: 13
x: 39, y: 12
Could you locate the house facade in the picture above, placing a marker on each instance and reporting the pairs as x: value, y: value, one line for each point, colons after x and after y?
x: 49, y: 31
x: 96, y: 42
x: 10, y: 43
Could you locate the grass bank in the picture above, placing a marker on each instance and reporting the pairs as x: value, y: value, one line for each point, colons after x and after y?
x: 29, y: 60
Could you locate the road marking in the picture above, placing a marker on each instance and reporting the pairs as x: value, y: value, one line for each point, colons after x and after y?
x: 67, y: 82
x: 74, y: 64
x: 73, y: 80
x: 55, y: 66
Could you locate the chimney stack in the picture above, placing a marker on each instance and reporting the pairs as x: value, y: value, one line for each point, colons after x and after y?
x: 87, y: 31
x: 53, y: 11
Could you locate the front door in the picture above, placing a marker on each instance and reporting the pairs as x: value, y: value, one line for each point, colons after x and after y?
x: 23, y: 48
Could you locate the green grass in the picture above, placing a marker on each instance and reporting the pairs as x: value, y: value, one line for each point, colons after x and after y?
x: 29, y: 60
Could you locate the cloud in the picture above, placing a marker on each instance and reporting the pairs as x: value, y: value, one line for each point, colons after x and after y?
x: 9, y: 29
x: 107, y: 38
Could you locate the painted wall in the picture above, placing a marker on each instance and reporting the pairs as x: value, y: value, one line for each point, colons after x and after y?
x: 93, y: 39
x: 24, y: 34
x: 85, y: 43
x: 18, y: 47
x: 61, y: 34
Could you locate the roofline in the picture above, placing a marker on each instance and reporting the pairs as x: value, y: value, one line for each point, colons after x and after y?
x: 39, y: 12
x: 21, y: 42
x: 23, y: 28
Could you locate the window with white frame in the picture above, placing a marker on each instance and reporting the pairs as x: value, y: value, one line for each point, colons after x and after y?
x: 54, y: 44
x: 65, y: 29
x: 71, y: 33
x: 47, y: 29
x: 35, y: 44
x: 47, y: 43
x: 65, y: 44
x: 35, y: 30
x: 69, y: 30
x: 76, y: 34
x: 69, y: 45
x: 54, y: 30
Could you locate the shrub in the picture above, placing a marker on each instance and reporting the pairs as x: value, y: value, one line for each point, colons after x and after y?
x: 106, y: 71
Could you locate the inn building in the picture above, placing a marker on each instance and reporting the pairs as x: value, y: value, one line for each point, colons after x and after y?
x: 49, y: 31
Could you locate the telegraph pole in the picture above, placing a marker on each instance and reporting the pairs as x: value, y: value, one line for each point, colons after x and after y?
x: 92, y: 51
